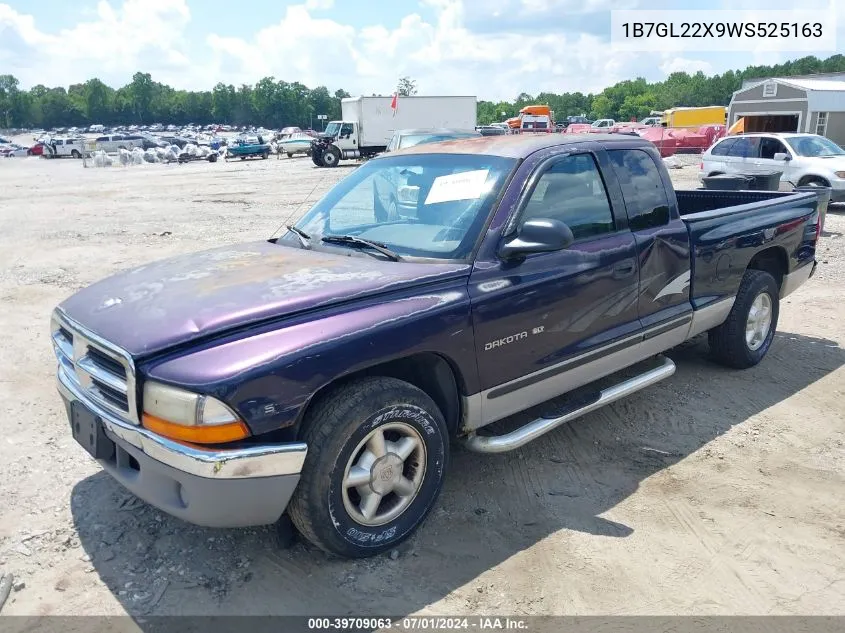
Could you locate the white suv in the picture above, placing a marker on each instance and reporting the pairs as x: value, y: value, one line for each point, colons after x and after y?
x: 804, y: 159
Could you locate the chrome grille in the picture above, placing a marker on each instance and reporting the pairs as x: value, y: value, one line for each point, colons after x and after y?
x: 101, y: 371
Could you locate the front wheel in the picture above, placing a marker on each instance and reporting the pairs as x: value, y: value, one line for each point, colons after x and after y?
x: 746, y: 335
x: 377, y: 455
x: 331, y: 157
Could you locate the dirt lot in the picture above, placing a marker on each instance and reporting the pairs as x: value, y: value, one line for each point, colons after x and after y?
x: 714, y: 492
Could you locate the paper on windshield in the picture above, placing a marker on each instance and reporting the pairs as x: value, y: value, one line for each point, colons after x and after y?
x: 467, y: 185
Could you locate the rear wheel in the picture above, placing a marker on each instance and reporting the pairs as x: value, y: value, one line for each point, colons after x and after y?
x: 290, y: 154
x: 746, y: 335
x: 75, y: 154
x: 377, y: 455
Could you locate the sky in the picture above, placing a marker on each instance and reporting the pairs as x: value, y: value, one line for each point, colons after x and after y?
x: 494, y: 49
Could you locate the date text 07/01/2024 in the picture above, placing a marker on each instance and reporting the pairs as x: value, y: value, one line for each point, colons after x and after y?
x: 421, y: 623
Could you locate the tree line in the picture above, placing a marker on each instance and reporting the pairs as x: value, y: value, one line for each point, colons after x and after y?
x: 274, y: 103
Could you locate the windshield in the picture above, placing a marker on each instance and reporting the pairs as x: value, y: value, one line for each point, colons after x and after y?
x: 419, y: 205
x: 419, y: 139
x: 332, y: 128
x: 812, y: 146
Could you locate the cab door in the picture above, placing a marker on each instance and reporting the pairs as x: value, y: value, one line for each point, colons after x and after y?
x: 742, y: 156
x: 768, y: 147
x: 545, y: 323
x: 663, y: 247
x: 347, y: 138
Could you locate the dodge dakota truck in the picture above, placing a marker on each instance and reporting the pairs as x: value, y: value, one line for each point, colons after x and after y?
x: 319, y: 378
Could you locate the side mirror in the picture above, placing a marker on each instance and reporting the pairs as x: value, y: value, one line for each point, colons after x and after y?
x: 782, y: 156
x: 539, y: 235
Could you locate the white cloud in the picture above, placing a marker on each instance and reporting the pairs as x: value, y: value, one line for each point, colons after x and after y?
x: 140, y: 34
x: 682, y: 64
x: 442, y: 53
x: 315, y: 5
x: 564, y: 7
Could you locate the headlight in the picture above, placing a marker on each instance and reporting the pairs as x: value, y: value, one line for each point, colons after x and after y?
x: 840, y: 174
x: 183, y: 415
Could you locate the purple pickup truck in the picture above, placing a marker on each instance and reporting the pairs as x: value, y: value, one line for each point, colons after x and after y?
x: 322, y: 376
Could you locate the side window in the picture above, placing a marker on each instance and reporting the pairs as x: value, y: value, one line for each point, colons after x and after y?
x: 745, y: 147
x: 345, y: 129
x: 723, y: 148
x: 645, y: 196
x: 572, y: 191
x: 102, y: 138
x: 771, y: 146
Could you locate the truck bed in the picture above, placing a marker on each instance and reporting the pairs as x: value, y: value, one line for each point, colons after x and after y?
x: 691, y: 201
x: 730, y: 229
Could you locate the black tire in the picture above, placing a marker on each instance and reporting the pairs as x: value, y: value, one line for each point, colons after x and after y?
x: 331, y: 157
x: 317, y: 159
x: 212, y: 158
x: 290, y: 154
x: 75, y: 154
x: 334, y: 429
x: 814, y: 182
x: 728, y: 344
x: 265, y: 156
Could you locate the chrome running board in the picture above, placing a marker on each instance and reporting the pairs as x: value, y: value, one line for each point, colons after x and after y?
x: 541, y: 426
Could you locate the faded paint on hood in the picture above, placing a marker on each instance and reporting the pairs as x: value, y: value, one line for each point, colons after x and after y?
x: 150, y: 308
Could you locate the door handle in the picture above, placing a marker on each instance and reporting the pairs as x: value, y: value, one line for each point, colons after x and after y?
x: 623, y: 268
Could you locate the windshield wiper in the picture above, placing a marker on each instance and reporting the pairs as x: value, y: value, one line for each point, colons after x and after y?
x: 360, y: 241
x: 304, y: 238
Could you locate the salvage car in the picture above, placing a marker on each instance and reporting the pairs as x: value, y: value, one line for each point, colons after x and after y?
x: 15, y: 150
x: 329, y: 371
x: 803, y: 159
x: 402, y: 139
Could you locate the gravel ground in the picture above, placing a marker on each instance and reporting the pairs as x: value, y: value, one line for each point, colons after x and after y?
x: 714, y: 492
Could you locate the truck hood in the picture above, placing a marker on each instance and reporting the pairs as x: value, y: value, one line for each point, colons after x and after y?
x: 172, y: 301
x: 836, y: 162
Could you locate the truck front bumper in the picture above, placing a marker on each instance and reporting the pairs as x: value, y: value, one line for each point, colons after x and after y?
x: 214, y: 488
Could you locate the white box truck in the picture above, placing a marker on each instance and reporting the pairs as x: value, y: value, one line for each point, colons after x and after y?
x: 369, y: 122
